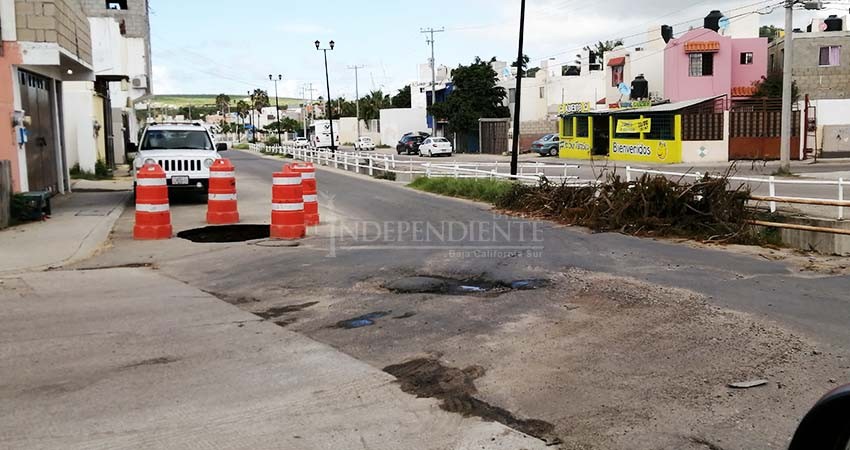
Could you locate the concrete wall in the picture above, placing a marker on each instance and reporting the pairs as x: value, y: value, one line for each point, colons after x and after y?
x: 744, y: 75
x: 531, y: 131
x: 708, y: 151
x: 818, y: 82
x: 396, y: 122
x: 9, y: 149
x: 55, y: 21
x: 135, y: 17
x: 648, y: 60
x: 79, y: 109
x: 348, y: 131
x: 5, y: 192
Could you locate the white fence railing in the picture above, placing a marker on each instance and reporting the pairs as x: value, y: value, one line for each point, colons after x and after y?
x: 771, y: 182
x: 371, y: 162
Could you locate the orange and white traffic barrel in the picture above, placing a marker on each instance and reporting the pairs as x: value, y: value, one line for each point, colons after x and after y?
x: 153, y: 214
x: 287, y: 206
x: 311, y: 193
x: 222, y: 206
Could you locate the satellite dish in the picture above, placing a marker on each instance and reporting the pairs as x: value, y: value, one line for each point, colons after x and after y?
x: 506, y: 72
x: 724, y: 23
x: 624, y: 89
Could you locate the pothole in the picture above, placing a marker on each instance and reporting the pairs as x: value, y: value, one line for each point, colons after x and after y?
x: 365, y: 320
x: 278, y: 311
x: 456, y: 389
x: 465, y: 286
x: 226, y: 234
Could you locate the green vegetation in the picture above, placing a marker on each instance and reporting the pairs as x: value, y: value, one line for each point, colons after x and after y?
x: 490, y: 191
x: 477, y: 95
x: 178, y: 101
x: 101, y: 172
x: 241, y: 147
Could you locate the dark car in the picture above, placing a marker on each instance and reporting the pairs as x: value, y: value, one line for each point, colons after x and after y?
x: 409, y: 144
x: 547, y: 145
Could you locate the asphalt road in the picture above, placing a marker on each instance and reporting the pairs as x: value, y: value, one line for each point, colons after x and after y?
x: 818, y: 306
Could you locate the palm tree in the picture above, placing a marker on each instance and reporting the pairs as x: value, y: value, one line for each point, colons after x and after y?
x: 222, y: 101
x: 602, y: 47
x: 260, y: 99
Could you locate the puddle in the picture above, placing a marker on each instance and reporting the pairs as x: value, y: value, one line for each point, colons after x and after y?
x: 429, y: 378
x: 365, y: 320
x: 226, y: 234
x: 273, y: 313
x: 466, y: 286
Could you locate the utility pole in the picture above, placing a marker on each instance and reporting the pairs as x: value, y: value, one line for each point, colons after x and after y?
x: 357, y: 95
x: 518, y: 95
x: 277, y: 108
x: 787, y: 86
x: 788, y: 81
x: 328, y: 81
x: 430, y: 42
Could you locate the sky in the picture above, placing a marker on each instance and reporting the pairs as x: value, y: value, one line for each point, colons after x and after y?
x: 215, y: 46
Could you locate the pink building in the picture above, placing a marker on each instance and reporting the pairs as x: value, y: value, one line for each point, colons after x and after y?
x: 703, y: 64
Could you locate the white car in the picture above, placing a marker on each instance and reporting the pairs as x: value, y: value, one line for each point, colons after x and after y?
x: 302, y: 142
x: 185, y: 151
x: 435, y: 146
x: 364, y: 143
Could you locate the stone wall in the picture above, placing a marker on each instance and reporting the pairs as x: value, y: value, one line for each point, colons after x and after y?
x: 135, y: 17
x: 55, y: 21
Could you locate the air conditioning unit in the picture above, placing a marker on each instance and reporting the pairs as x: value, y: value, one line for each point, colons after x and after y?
x: 140, y: 82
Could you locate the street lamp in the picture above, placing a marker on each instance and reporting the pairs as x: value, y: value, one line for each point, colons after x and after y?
x: 251, y: 117
x: 277, y: 107
x: 328, y: 81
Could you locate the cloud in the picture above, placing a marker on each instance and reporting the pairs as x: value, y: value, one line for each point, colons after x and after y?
x: 163, y: 81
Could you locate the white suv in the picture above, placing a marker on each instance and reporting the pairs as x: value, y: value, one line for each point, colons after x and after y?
x: 185, y: 151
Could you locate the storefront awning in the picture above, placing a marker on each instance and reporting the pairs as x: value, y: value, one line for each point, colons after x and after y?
x: 614, y: 62
x: 702, y: 47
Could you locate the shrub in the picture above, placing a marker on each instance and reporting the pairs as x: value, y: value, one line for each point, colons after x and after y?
x: 480, y: 189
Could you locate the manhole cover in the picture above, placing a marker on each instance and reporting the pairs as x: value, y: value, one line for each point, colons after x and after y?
x: 226, y: 234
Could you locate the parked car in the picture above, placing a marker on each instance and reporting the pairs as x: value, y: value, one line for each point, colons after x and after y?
x: 409, y: 144
x: 185, y: 151
x: 302, y: 142
x: 436, y: 146
x: 547, y: 145
x: 364, y: 144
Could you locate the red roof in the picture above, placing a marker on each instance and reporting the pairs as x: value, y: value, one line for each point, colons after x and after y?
x: 743, y: 91
x: 621, y: 61
x: 702, y: 46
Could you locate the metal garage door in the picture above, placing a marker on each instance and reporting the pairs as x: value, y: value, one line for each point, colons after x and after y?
x: 36, y: 100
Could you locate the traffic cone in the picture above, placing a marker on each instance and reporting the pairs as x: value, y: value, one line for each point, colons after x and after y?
x: 153, y: 215
x: 311, y: 194
x: 287, y: 206
x: 222, y: 205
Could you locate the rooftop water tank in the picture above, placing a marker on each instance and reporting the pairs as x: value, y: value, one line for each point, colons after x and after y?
x: 640, y: 88
x: 833, y: 23
x: 712, y: 20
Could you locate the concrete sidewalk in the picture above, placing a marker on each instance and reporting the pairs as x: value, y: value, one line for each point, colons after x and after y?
x: 127, y: 358
x: 79, y: 225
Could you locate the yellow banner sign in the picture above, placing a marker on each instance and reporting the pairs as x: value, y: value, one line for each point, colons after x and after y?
x: 634, y: 126
x: 572, y: 108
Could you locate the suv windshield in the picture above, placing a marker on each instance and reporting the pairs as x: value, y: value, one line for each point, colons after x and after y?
x: 176, y: 139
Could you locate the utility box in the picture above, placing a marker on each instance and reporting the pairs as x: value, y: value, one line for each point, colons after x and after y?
x: 34, y: 205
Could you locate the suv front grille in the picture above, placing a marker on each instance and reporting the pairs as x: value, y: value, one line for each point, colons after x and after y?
x: 180, y: 165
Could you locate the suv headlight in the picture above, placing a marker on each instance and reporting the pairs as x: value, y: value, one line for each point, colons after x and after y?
x: 138, y: 163
x: 208, y: 162
x: 150, y: 161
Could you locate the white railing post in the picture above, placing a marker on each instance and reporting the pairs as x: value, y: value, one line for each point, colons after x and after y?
x: 772, y: 188
x: 427, y: 170
x: 457, y: 170
x: 841, y: 198
x: 345, y: 161
x: 371, y: 167
x: 387, y: 164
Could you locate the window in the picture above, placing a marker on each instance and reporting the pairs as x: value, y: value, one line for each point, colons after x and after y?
x: 542, y: 92
x: 830, y: 56
x: 617, y: 75
x: 116, y: 4
x: 568, y: 126
x: 701, y: 64
x: 746, y: 58
x: 177, y: 140
x: 582, y: 127
x: 663, y: 128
